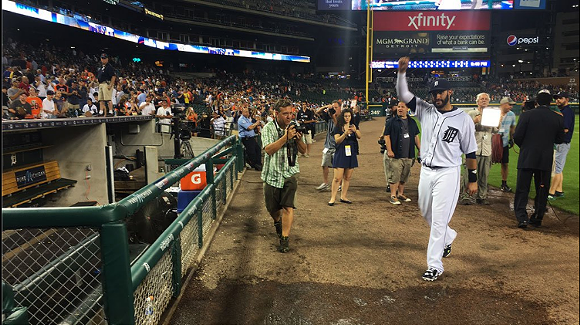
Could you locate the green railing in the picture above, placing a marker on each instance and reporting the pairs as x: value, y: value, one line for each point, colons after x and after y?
x: 125, y: 293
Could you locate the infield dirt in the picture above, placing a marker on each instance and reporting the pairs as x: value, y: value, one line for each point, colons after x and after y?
x: 361, y: 263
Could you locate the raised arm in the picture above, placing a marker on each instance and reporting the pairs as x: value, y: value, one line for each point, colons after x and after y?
x: 402, y: 88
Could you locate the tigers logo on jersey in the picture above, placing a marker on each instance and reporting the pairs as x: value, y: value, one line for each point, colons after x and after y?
x: 450, y: 134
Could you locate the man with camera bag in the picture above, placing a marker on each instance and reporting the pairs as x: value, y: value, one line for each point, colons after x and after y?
x: 281, y: 142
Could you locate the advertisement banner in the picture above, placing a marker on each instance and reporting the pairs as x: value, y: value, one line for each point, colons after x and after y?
x: 387, y: 44
x: 419, y: 21
x: 521, y: 40
x: 324, y: 5
x: 401, y: 43
x: 460, y: 42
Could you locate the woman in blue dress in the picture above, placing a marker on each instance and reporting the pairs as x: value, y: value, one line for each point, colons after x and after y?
x: 346, y: 135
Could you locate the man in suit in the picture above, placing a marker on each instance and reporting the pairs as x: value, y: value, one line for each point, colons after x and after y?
x: 535, y: 134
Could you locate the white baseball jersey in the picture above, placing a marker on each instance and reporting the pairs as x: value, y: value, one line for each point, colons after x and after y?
x: 444, y: 135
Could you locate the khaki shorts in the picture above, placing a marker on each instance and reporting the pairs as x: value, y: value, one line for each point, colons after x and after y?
x: 278, y: 198
x: 400, y: 170
x: 105, y: 94
x: 308, y: 137
x: 73, y: 106
x: 327, y: 158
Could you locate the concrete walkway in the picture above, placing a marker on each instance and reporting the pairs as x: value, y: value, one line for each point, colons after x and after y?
x: 361, y: 263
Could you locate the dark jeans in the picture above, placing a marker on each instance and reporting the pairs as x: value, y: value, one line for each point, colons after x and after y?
x: 253, y: 153
x: 542, y: 183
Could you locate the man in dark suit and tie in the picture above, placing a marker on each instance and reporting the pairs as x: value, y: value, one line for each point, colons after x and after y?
x: 535, y: 134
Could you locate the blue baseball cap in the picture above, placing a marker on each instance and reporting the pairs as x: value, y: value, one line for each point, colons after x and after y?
x: 439, y: 85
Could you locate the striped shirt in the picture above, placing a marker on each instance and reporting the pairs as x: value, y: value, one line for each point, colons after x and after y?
x: 507, y: 122
x: 276, y: 168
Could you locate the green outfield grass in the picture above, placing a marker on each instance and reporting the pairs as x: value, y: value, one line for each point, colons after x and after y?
x: 569, y: 202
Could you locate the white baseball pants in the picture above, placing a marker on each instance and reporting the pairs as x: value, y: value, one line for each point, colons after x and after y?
x: 438, y: 193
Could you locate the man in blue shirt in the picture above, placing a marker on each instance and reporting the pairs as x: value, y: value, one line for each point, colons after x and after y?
x: 562, y: 100
x: 246, y: 130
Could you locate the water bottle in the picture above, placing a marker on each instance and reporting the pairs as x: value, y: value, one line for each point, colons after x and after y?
x: 149, y: 307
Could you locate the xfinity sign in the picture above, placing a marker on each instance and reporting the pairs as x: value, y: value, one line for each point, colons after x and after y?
x: 441, y: 21
x: 514, y: 40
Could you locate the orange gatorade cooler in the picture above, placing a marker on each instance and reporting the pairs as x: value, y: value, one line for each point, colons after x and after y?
x: 194, y: 181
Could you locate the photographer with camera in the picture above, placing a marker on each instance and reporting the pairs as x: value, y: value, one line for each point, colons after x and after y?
x: 246, y: 131
x: 281, y: 142
x: 306, y: 118
x: 329, y: 114
x: 346, y: 135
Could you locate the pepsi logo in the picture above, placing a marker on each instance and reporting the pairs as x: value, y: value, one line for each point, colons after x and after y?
x: 512, y: 40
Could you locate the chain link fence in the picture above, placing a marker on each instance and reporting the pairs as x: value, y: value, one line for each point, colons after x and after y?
x: 55, y: 274
x: 152, y: 296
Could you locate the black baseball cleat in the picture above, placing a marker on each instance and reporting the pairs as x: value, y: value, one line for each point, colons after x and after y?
x: 447, y: 251
x: 284, y: 247
x: 523, y: 224
x: 431, y: 274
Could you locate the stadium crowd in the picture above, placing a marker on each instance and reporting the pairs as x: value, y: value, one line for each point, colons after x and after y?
x: 35, y: 74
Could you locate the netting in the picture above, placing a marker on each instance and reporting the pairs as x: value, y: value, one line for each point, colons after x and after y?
x: 55, y: 274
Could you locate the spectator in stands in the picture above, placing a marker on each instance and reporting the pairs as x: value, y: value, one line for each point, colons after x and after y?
x: 74, y: 99
x: 61, y: 90
x: 49, y: 108
x: 147, y: 108
x: 24, y: 84
x: 219, y: 124
x: 20, y: 109
x: 61, y: 108
x: 562, y: 101
x: 507, y: 126
x: 106, y: 76
x: 35, y: 102
x: 164, y: 114
x: 90, y: 109
x: 40, y: 87
x: 14, y: 92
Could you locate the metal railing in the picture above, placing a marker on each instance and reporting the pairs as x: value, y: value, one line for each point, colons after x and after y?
x: 72, y: 265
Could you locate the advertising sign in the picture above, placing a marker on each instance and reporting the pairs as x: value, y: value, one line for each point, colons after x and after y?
x: 460, y: 42
x: 324, y: 5
x: 428, y: 5
x: 530, y: 4
x: 419, y: 21
x: 403, y: 43
x: 387, y: 44
x: 513, y: 40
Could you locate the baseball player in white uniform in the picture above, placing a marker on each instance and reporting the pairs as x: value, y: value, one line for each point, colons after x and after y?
x: 447, y: 133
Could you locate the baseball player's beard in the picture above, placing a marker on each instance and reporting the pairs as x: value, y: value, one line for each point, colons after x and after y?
x: 444, y: 102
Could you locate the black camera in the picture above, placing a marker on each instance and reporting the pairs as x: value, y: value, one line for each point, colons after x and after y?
x: 383, y: 145
x: 331, y: 111
x: 300, y: 128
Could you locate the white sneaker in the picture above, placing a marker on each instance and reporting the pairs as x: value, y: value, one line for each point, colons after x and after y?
x: 322, y: 186
x: 306, y: 156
